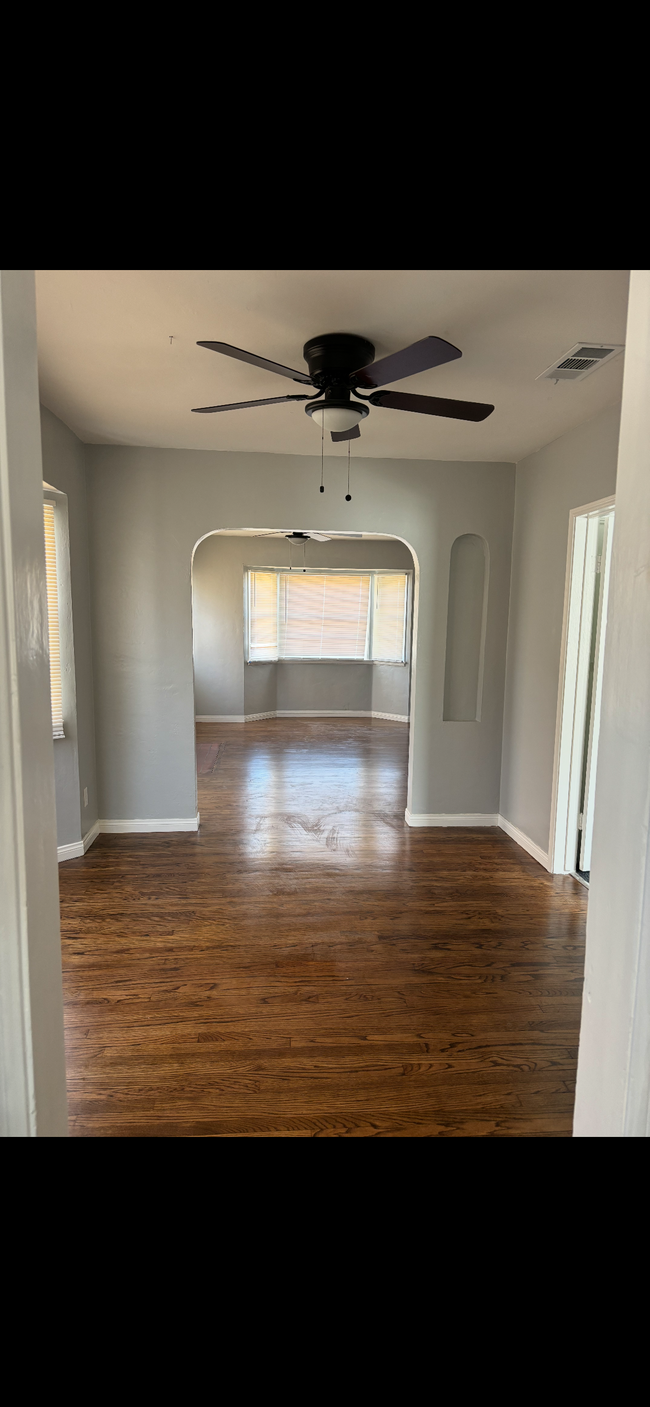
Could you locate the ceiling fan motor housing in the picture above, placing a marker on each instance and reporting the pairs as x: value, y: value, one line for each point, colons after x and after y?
x: 333, y: 357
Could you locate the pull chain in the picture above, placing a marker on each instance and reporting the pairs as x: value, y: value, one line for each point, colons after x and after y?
x: 322, y: 443
x: 348, y: 495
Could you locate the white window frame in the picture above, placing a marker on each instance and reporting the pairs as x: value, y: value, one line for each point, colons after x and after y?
x: 54, y: 498
x: 372, y: 572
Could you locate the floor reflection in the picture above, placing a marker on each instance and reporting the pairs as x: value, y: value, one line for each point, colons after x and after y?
x: 333, y: 792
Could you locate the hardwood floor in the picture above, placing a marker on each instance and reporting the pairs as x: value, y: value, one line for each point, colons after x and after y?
x: 306, y: 965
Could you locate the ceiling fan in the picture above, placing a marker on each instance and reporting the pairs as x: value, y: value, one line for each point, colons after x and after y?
x: 304, y: 538
x: 300, y: 537
x: 338, y: 363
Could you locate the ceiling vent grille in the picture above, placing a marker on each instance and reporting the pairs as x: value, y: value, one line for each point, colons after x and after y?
x: 580, y: 361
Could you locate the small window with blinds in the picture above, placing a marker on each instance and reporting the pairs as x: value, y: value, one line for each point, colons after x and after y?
x: 327, y: 615
x: 53, y: 621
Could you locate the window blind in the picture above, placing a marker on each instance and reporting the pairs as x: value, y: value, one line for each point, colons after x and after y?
x: 263, y: 615
x: 389, y: 617
x: 53, y: 621
x: 327, y: 615
x: 323, y: 617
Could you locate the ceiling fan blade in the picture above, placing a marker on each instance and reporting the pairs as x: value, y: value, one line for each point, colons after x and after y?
x: 266, y: 365
x: 243, y: 405
x: 353, y: 434
x: 432, y: 405
x: 420, y: 356
x: 320, y: 537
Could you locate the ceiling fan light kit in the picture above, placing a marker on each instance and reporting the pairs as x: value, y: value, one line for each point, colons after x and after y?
x: 337, y: 416
x: 338, y: 364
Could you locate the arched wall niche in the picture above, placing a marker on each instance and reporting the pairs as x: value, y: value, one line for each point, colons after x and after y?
x: 466, y: 623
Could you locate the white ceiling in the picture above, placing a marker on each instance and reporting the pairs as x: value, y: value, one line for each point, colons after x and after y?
x: 107, y: 367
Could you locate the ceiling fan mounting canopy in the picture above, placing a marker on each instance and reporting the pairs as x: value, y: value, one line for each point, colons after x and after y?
x: 334, y: 357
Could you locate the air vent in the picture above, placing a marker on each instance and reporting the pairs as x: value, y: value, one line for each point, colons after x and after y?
x: 580, y: 361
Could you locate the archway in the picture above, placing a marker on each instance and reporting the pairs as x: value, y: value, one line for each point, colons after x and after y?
x: 230, y: 687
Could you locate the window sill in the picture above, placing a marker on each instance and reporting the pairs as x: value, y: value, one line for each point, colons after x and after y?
x: 332, y: 659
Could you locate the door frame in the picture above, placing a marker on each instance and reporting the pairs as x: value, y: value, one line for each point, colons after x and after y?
x: 562, y: 800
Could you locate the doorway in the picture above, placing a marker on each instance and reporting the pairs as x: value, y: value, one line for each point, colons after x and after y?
x: 329, y: 635
x: 579, y: 705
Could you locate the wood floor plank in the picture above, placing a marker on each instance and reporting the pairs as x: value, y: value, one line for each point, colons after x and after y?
x: 307, y: 966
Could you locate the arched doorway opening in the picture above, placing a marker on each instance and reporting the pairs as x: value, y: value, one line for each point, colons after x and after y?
x: 342, y: 648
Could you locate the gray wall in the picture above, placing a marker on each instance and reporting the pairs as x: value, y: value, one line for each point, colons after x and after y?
x: 64, y: 468
x: 147, y: 510
x: 578, y: 468
x: 329, y: 686
x: 224, y: 684
x: 391, y: 688
x: 217, y: 621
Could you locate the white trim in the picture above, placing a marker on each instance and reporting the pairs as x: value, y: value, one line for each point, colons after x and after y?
x: 32, y: 1084
x: 76, y: 848
x: 566, y: 693
x: 525, y: 842
x: 613, y: 1081
x: 70, y: 852
x: 91, y: 836
x: 478, y: 818
x: 300, y: 713
x: 324, y: 713
x: 228, y: 717
x: 138, y: 826
x: 444, y: 818
x: 592, y: 724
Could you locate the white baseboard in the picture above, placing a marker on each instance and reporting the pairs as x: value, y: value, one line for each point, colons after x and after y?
x: 525, y: 842
x: 424, y: 818
x: 70, y: 852
x: 323, y: 713
x: 227, y: 717
x: 91, y: 836
x: 339, y: 713
x: 444, y: 818
x: 137, y: 826
x: 77, y: 848
x: 300, y: 713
